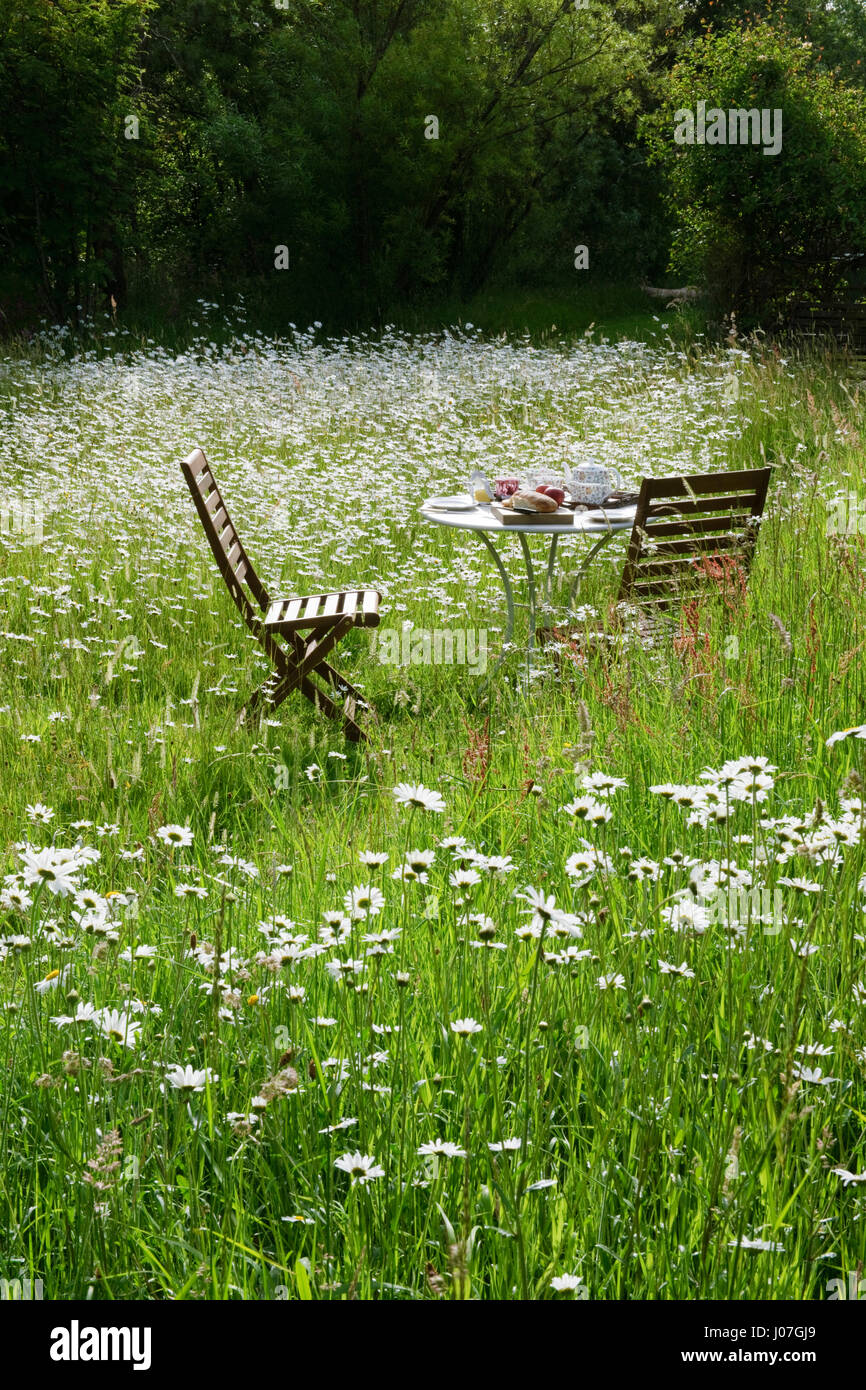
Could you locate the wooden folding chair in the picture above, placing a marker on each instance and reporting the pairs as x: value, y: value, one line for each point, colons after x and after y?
x: 295, y: 633
x: 693, y: 533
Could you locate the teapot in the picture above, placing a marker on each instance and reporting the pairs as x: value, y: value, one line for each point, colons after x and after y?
x: 590, y: 483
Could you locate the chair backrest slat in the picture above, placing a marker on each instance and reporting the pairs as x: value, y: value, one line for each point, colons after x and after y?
x: 697, y: 530
x: 232, y: 560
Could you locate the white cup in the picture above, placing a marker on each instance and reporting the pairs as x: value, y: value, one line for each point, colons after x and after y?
x: 592, y: 482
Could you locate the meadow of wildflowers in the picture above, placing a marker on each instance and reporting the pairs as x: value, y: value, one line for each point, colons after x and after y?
x: 556, y: 989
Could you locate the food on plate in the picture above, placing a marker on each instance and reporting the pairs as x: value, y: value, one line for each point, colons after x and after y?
x: 534, y: 502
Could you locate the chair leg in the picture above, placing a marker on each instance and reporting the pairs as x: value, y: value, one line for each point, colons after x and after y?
x: 335, y: 678
x: 352, y: 730
x: 296, y: 676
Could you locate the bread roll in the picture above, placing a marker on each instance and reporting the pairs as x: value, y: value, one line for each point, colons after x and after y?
x: 533, y: 502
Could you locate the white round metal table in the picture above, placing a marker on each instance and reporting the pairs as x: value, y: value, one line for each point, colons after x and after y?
x: 598, y: 525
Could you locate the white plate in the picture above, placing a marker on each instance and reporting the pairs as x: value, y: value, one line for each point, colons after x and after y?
x: 460, y: 503
x: 611, y: 514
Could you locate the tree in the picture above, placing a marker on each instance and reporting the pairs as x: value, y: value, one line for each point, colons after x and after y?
x: 761, y: 229
x: 68, y: 73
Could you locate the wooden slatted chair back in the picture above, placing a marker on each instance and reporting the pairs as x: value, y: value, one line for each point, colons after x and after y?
x: 691, y: 533
x: 232, y: 560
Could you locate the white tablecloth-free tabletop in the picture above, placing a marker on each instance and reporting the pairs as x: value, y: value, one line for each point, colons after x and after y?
x: 481, y: 518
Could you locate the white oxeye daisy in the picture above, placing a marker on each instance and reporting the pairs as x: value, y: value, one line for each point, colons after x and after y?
x: 566, y: 1283
x: 588, y: 809
x: 847, y: 1176
x: 857, y: 731
x: 416, y: 795
x: 189, y: 1079
x: 465, y: 1027
x: 88, y: 900
x: 746, y: 1244
x: 441, y: 1148
x: 54, y: 868
x: 15, y: 899
x: 602, y: 783
x: 800, y: 885
x: 420, y: 859
x: 39, y: 813
x: 345, y: 1123
x: 362, y: 1168
x: 189, y: 890
x: 682, y: 970
x: 117, y: 1026
x: 175, y: 835
x: 611, y: 981
x: 366, y: 901
x: 52, y: 980
x: 543, y: 907
x: 464, y: 878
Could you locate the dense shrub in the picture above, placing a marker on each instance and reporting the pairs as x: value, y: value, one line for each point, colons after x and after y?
x: 759, y: 228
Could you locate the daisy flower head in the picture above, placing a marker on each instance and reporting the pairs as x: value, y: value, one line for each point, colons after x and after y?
x: 611, y: 981
x: 189, y: 1079
x: 175, y: 835
x: 542, y: 907
x: 440, y: 1148
x: 189, y: 890
x: 15, y: 899
x: 465, y: 1027
x: 118, y: 1026
x: 52, y: 980
x: 464, y: 878
x: 847, y: 1176
x: 365, y: 901
x: 801, y: 885
x: 371, y: 860
x: 857, y: 731
x: 589, y: 809
x: 362, y: 1168
x: 418, y: 797
x: 682, y: 970
x: 420, y: 860
x: 55, y: 868
x: 602, y: 784
x: 566, y: 1283
x: 346, y: 1123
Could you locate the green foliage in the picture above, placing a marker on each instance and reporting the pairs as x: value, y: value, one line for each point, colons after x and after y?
x: 67, y: 184
x: 761, y: 229
x: 307, y: 127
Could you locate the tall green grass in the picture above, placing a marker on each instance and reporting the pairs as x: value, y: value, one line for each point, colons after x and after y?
x: 653, y: 1142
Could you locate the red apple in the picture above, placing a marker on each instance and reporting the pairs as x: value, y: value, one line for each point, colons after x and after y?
x: 556, y: 494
